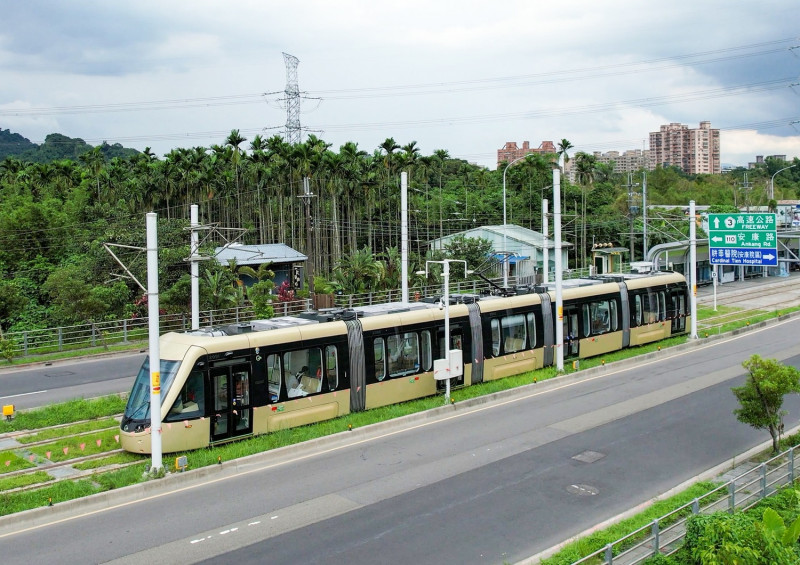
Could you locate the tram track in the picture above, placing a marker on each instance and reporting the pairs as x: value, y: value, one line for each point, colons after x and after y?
x: 59, y: 470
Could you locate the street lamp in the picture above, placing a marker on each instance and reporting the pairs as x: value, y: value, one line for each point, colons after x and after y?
x: 772, y: 182
x: 448, y: 361
x: 505, y: 264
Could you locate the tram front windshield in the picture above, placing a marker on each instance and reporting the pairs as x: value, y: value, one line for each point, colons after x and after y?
x: 138, y: 407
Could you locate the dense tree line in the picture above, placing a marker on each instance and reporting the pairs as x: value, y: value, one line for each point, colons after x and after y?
x: 57, y: 214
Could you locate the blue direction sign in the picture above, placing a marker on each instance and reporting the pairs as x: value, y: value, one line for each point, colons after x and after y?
x: 743, y: 239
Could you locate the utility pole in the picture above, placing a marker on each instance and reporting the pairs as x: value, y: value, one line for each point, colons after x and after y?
x: 307, y: 196
x: 194, y: 268
x: 746, y: 185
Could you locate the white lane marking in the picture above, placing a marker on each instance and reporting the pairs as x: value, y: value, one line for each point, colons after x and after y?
x: 23, y: 394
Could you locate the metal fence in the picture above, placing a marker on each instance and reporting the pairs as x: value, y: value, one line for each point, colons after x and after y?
x: 121, y: 332
x: 665, y: 534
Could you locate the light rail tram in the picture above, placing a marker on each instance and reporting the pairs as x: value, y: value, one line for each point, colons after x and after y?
x: 223, y: 384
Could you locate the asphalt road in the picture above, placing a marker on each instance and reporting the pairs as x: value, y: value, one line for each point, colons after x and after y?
x: 491, y: 483
x: 39, y: 385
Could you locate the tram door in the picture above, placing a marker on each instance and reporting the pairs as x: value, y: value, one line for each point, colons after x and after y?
x: 571, y: 336
x: 230, y: 388
x: 678, y: 311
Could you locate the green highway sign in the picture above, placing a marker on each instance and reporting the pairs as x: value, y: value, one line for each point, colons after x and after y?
x: 743, y: 239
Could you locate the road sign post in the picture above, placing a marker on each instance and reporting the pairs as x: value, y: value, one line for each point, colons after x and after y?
x: 743, y: 239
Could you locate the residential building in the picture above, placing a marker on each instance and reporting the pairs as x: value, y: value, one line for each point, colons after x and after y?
x: 525, y: 248
x: 628, y: 161
x: 287, y: 263
x: 694, y: 151
x: 760, y: 160
x: 511, y: 151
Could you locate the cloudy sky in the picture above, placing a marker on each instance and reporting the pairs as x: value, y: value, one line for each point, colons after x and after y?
x: 464, y: 76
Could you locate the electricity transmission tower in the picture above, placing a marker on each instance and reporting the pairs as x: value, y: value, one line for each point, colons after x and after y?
x: 292, y: 100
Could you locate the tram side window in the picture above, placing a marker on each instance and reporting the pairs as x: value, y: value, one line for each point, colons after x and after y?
x: 426, y: 351
x: 598, y: 317
x: 532, y: 329
x: 613, y: 315
x: 588, y: 322
x: 514, y: 333
x: 380, y: 358
x: 638, y: 310
x: 191, y: 400
x: 331, y: 367
x: 403, y: 354
x: 662, y: 305
x: 304, y: 371
x: 495, y: 326
x: 274, y: 376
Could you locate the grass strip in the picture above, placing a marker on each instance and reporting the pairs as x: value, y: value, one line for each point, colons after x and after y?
x: 9, y: 483
x: 598, y: 540
x: 10, y: 461
x: 115, y: 459
x: 82, y: 427
x: 64, y: 413
x: 64, y: 449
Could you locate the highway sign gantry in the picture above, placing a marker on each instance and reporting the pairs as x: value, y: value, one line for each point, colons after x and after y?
x: 743, y: 239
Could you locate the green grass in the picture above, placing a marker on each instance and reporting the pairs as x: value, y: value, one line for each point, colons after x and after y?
x: 52, y: 433
x: 64, y: 413
x: 70, y: 352
x: 62, y: 491
x: 123, y: 458
x: 63, y: 449
x: 10, y: 461
x: 598, y: 540
x: 25, y: 480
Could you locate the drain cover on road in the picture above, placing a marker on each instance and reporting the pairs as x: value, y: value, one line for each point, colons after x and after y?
x: 582, y: 490
x: 54, y: 374
x: 589, y: 456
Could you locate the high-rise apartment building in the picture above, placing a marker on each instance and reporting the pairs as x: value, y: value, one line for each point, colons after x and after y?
x: 694, y: 151
x: 510, y: 151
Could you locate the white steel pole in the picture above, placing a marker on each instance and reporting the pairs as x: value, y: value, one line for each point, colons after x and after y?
x: 505, y: 225
x: 545, y: 246
x: 155, y: 354
x: 557, y: 237
x: 404, y: 234
x: 714, y: 276
x: 693, y: 268
x: 505, y: 242
x: 446, y: 272
x: 644, y: 215
x: 194, y: 268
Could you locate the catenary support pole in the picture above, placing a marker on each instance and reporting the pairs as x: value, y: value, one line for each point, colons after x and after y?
x: 194, y: 267
x: 545, y: 246
x: 559, y: 268
x: 155, y: 353
x: 404, y: 234
x: 693, y: 267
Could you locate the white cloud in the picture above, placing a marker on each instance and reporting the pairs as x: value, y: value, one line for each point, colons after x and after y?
x: 566, y: 71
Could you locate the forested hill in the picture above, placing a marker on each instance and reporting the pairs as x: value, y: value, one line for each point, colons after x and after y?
x: 54, y: 148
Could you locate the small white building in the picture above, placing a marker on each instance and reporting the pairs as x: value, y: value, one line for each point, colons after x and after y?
x: 526, y: 249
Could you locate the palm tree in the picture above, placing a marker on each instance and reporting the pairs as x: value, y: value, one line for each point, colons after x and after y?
x: 234, y: 140
x: 94, y: 161
x: 221, y: 293
x: 563, y: 146
x: 584, y: 174
x: 441, y: 155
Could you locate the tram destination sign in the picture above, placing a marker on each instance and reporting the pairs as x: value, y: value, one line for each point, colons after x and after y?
x: 743, y: 239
